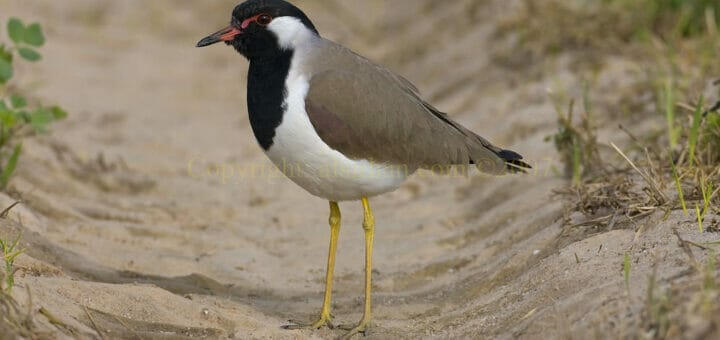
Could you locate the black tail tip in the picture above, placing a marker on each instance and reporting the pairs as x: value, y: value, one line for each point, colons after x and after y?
x: 514, y: 161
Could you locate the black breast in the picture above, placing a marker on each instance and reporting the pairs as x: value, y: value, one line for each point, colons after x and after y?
x: 266, y: 95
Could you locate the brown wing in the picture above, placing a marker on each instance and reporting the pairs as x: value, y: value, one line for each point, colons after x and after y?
x: 369, y: 113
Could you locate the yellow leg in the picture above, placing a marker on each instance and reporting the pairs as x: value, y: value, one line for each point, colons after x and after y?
x: 325, y: 316
x: 369, y: 226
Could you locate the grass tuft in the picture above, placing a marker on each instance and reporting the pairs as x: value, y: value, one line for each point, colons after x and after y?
x: 576, y: 143
x: 9, y: 252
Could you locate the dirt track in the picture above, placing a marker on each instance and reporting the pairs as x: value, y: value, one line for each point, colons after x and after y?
x: 128, y: 222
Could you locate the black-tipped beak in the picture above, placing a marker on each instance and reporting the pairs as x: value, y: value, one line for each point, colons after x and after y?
x: 226, y: 34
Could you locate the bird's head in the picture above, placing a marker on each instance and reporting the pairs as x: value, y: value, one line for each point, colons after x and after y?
x: 263, y: 28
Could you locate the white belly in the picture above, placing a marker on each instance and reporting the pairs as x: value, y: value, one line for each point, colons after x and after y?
x: 303, y: 157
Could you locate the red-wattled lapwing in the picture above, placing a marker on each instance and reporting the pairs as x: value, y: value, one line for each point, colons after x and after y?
x: 340, y: 126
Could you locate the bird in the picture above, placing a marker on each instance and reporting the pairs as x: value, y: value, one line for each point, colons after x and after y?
x: 341, y: 126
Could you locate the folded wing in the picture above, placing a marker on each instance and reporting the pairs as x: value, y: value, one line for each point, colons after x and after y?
x: 367, y: 112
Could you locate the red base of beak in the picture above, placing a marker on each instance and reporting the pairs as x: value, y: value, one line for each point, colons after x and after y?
x: 226, y: 34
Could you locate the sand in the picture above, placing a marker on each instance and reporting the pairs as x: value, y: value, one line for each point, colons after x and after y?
x: 141, y: 219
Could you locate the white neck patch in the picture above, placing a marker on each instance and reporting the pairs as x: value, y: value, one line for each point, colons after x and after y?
x: 291, y: 32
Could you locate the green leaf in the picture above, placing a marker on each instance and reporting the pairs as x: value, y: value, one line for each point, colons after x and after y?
x: 8, y: 119
x: 58, y: 113
x: 34, y: 35
x: 9, y: 168
x: 6, y: 54
x: 6, y: 71
x: 18, y: 102
x: 16, y: 30
x: 40, y: 119
x: 24, y: 115
x: 29, y: 54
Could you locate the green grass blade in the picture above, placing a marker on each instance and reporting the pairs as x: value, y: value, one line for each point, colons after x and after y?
x: 699, y: 218
x: 15, y: 243
x: 670, y: 114
x: 9, y: 168
x: 626, y: 270
x: 695, y: 130
x: 577, y: 163
x: 707, y: 190
x: 678, y: 186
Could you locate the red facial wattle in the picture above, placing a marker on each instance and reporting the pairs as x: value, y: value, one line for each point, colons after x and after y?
x: 249, y: 21
x: 229, y: 33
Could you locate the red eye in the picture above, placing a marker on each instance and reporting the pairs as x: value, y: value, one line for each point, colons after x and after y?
x: 264, y: 19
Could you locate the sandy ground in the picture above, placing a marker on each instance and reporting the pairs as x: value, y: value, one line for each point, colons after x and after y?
x: 142, y: 220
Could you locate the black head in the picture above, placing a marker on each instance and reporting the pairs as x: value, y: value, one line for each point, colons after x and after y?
x: 251, y: 27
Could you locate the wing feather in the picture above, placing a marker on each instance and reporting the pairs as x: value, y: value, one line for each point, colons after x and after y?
x: 368, y: 112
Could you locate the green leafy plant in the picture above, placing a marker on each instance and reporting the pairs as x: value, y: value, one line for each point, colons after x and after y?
x: 18, y: 118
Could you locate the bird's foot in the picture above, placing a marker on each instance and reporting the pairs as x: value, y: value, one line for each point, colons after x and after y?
x: 361, y: 328
x: 324, y: 321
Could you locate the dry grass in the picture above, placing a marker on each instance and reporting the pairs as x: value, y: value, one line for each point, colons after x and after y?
x: 676, y: 41
x: 611, y: 26
x: 14, y: 323
x: 673, y: 167
x: 629, y: 196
